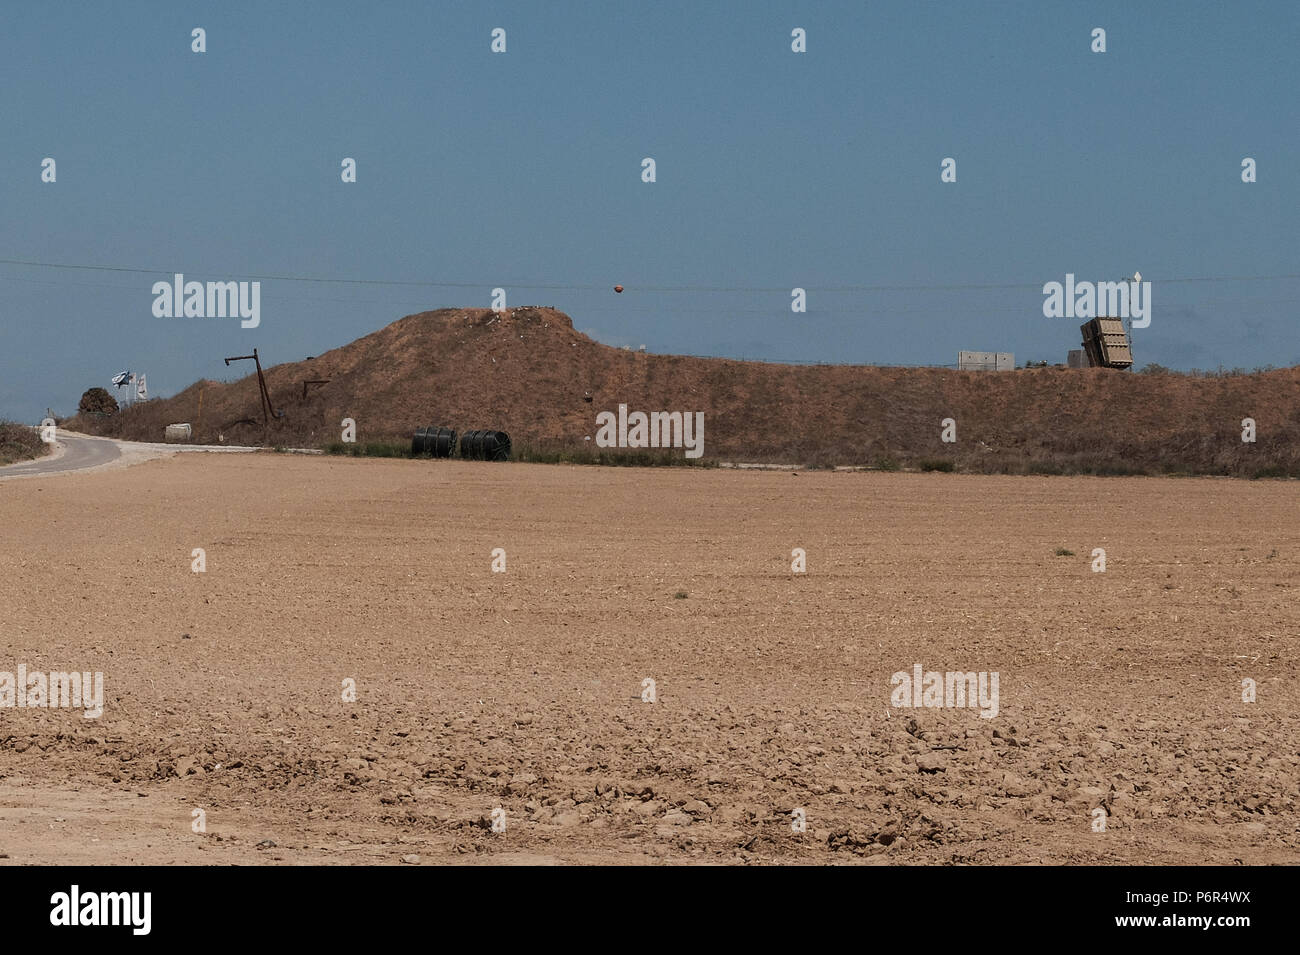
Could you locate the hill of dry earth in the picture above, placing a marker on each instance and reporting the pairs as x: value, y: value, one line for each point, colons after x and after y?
x: 528, y: 372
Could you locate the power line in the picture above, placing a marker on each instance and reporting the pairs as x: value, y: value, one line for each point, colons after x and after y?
x: 968, y: 287
x: 814, y: 313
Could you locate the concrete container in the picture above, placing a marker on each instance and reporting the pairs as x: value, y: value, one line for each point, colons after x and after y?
x: 986, y: 361
x: 178, y: 432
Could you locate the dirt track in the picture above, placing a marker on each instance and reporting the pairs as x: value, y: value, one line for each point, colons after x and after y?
x: 522, y: 690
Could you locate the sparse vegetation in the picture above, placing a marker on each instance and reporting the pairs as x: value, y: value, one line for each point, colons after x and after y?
x: 1064, y: 552
x: 602, y: 456
x: 1045, y: 467
x: 369, y: 449
x: 1113, y: 470
x: 609, y: 457
x: 20, y: 443
x: 936, y: 464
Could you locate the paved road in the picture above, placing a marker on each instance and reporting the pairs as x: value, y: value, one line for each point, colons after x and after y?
x: 81, y: 451
x: 78, y: 453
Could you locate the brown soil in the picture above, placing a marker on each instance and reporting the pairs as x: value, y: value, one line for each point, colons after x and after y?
x: 522, y: 690
x: 529, y: 373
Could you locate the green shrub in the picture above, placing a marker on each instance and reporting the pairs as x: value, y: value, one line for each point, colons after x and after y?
x: 369, y: 449
x: 609, y: 457
x: 936, y: 464
x: 1272, y: 471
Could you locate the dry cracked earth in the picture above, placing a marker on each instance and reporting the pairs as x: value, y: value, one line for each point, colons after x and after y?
x: 522, y: 690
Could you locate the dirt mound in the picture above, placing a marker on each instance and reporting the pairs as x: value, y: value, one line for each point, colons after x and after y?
x: 528, y: 372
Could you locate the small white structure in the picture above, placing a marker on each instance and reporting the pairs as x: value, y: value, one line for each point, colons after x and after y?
x: 178, y: 432
x: 986, y: 361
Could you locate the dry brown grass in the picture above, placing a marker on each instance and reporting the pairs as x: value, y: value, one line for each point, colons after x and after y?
x: 20, y: 443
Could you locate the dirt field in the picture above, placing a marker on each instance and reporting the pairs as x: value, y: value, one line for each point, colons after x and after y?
x: 523, y: 690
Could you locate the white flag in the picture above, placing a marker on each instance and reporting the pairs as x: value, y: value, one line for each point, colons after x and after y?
x: 141, y: 391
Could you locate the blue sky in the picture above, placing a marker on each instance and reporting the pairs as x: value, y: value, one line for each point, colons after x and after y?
x: 774, y: 170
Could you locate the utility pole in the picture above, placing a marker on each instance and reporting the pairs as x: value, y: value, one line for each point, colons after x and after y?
x: 268, y: 409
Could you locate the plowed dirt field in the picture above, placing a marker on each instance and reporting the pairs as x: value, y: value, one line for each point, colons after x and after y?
x: 525, y: 690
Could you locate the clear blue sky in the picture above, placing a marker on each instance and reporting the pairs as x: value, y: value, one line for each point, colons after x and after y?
x: 775, y: 170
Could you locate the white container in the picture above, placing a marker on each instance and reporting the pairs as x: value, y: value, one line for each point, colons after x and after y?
x: 178, y: 432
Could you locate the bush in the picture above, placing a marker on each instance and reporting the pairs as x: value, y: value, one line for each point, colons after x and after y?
x: 936, y: 464
x: 1113, y: 470
x: 1272, y: 471
x: 97, y: 401
x: 369, y: 449
x: 607, y: 457
x: 19, y: 443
